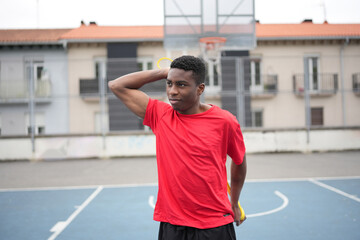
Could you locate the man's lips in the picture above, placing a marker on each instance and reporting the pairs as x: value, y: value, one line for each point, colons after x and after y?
x: 174, y: 100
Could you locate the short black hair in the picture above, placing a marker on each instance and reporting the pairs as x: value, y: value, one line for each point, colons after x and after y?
x: 191, y: 63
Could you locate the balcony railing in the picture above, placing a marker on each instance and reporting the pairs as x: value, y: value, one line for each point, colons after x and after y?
x: 89, y: 87
x: 43, y: 89
x: 319, y: 84
x: 268, y: 85
x: 12, y: 90
x: 356, y: 83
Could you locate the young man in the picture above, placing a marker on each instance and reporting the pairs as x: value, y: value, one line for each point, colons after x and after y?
x: 193, y: 140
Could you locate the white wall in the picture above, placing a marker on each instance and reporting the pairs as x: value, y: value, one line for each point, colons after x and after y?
x: 69, y: 147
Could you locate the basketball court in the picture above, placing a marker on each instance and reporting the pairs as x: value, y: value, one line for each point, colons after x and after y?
x: 304, y: 196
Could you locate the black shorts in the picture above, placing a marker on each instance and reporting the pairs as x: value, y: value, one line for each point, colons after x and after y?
x: 168, y: 231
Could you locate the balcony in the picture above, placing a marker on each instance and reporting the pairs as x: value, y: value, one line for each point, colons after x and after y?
x: 267, y: 88
x: 322, y: 84
x: 18, y: 92
x: 90, y: 89
x: 356, y: 83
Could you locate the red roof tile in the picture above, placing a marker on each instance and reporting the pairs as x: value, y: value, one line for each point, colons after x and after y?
x: 306, y: 30
x: 31, y: 35
x: 93, y: 31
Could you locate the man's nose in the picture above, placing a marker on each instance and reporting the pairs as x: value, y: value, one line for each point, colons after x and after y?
x: 173, y: 90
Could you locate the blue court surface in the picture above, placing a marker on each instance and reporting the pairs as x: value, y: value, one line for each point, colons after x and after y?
x: 320, y: 208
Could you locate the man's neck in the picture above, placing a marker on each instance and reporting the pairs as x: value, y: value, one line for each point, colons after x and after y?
x: 204, y: 107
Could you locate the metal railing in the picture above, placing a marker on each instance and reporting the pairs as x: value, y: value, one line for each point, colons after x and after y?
x: 14, y: 90
x: 321, y: 84
x: 89, y: 87
x: 267, y: 84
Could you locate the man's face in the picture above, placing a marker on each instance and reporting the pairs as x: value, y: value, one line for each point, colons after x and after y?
x: 182, y: 91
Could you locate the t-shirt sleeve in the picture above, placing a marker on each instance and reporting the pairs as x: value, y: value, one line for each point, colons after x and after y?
x: 236, y: 145
x: 154, y: 111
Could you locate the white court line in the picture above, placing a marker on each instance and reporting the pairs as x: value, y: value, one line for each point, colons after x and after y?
x: 60, y: 226
x: 155, y: 184
x: 277, y: 193
x: 334, y: 189
x: 78, y: 187
x: 301, y: 179
x: 284, y: 205
x: 151, y: 201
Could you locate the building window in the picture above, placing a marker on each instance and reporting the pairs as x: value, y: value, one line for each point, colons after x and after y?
x: 255, y: 72
x: 255, y: 75
x: 356, y: 82
x: 40, y: 77
x: 317, y: 116
x: 38, y: 68
x: 312, y: 65
x: 39, y: 124
x: 145, y: 63
x: 100, y: 68
x: 213, y: 76
x: 41, y: 130
x: 257, y: 118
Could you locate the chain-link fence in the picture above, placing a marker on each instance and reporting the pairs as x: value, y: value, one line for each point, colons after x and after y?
x: 50, y: 96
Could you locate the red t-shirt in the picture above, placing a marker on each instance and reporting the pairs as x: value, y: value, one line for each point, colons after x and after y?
x: 191, y: 154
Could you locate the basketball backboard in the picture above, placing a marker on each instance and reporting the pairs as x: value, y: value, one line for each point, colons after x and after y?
x: 186, y: 21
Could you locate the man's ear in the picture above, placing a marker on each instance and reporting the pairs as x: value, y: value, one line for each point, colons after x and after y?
x: 201, y: 89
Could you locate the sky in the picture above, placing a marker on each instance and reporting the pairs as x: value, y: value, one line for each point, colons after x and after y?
x: 25, y: 14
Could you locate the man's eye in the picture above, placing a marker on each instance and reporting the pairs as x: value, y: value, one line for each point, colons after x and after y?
x: 168, y: 83
x: 181, y: 84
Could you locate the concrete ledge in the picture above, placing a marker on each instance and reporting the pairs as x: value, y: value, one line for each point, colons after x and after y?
x: 142, y: 144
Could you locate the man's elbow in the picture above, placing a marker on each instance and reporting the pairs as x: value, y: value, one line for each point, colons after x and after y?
x: 111, y: 84
x: 114, y: 86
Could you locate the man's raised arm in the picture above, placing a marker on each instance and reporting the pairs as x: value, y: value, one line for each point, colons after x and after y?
x: 126, y: 88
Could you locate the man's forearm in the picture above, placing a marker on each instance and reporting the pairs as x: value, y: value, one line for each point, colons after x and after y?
x: 137, y: 79
x: 126, y: 89
x: 238, y: 174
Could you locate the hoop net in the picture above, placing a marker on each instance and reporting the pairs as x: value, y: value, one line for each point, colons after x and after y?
x: 211, y: 48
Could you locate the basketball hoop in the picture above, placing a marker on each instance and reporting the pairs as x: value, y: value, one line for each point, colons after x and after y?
x: 211, y: 48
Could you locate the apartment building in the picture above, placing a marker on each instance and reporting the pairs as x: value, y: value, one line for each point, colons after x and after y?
x: 327, y: 56
x: 33, y: 58
x: 274, y: 77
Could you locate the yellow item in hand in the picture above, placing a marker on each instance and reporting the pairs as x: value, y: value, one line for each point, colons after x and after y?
x: 242, y: 217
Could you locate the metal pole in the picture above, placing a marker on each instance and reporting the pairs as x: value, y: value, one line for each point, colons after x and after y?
x: 307, y: 99
x: 239, y: 91
x: 342, y: 81
x: 202, y: 16
x: 102, y: 107
x: 32, y: 106
x: 254, y: 24
x: 217, y: 17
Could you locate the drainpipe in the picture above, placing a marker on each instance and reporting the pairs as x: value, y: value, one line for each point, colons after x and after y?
x: 307, y: 99
x: 32, y: 108
x: 343, y: 80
